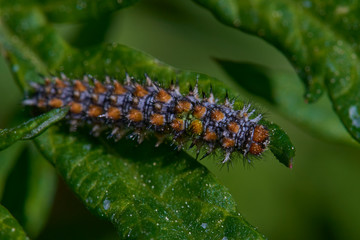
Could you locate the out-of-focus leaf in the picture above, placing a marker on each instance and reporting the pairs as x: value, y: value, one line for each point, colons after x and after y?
x: 319, y: 38
x: 29, y: 190
x: 41, y: 189
x: 10, y: 229
x: 31, y: 128
x: 281, y: 88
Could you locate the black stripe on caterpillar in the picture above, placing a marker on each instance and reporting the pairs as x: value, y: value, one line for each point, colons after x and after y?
x: 140, y: 108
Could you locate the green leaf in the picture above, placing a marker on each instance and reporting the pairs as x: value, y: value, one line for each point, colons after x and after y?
x: 280, y: 145
x: 281, y: 88
x: 145, y: 193
x: 319, y: 38
x: 29, y: 191
x: 10, y: 229
x: 31, y: 128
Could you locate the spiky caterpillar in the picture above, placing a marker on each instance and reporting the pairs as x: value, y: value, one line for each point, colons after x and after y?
x: 166, y: 112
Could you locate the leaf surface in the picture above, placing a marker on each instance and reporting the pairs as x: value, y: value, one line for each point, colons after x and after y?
x: 145, y: 193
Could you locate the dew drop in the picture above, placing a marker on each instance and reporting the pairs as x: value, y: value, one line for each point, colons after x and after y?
x: 354, y: 116
x: 307, y: 4
x: 106, y: 204
x: 15, y: 68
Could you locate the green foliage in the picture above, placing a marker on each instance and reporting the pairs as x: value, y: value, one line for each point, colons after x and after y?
x: 280, y: 146
x: 10, y: 229
x: 319, y: 38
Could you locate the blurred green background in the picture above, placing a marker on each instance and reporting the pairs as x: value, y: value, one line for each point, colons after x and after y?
x: 318, y: 199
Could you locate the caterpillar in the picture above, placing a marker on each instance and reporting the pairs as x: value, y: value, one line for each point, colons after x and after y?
x: 139, y: 108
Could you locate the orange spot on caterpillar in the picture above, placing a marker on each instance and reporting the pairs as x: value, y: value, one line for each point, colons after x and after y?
x: 196, y: 127
x: 199, y: 111
x: 210, y: 136
x: 183, y: 106
x: 114, y: 113
x: 163, y: 96
x: 233, y: 127
x: 99, y: 88
x: 217, y: 115
x: 260, y: 134
x: 228, y: 142
x: 255, y: 149
x: 79, y: 86
x: 157, y: 119
x: 94, y: 111
x: 118, y: 88
x: 178, y: 124
x: 75, y: 107
x: 140, y: 91
x: 135, y: 115
x: 55, y: 103
x: 59, y: 83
